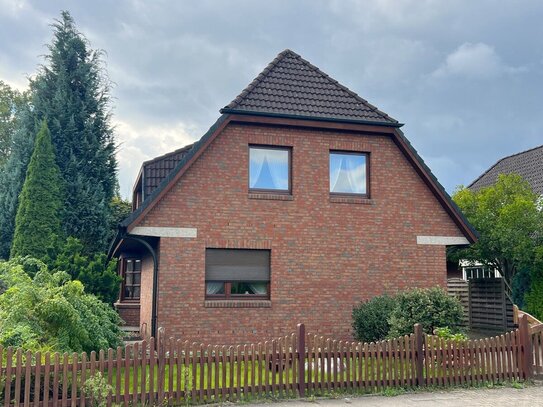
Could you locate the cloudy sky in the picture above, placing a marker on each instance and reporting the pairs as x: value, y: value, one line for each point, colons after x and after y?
x: 465, y: 76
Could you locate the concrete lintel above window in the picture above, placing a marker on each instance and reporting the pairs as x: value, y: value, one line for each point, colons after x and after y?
x: 442, y: 240
x: 164, y: 231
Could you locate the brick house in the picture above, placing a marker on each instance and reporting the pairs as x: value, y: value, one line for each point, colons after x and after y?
x: 299, y: 202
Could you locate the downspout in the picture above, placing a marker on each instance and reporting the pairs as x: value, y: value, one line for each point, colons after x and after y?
x: 155, y: 278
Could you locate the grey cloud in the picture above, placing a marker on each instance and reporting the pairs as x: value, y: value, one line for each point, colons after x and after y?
x: 175, y: 64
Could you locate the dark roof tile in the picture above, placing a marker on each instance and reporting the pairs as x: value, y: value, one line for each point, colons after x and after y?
x: 528, y: 164
x: 156, y: 169
x: 291, y: 85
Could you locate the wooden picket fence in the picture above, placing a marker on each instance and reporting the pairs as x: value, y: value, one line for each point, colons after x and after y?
x: 168, y: 371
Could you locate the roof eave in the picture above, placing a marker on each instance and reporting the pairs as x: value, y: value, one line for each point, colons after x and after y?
x: 227, y: 110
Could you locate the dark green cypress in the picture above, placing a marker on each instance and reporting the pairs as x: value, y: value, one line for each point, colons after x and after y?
x: 37, y: 224
x: 71, y: 91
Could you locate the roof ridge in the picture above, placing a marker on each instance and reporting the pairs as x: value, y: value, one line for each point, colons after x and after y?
x: 356, y: 103
x: 249, y: 88
x: 500, y: 160
x: 151, y: 160
x: 343, y: 87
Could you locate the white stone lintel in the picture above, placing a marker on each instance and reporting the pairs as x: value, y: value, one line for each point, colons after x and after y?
x: 442, y: 240
x: 164, y: 232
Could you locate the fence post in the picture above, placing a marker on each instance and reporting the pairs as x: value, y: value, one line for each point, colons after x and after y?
x: 419, y: 356
x: 526, y: 341
x: 161, y: 353
x: 301, y: 359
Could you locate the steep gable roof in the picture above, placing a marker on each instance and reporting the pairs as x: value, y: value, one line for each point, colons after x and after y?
x: 291, y: 86
x: 528, y: 164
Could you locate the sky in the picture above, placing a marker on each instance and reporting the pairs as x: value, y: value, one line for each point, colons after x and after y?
x: 466, y: 77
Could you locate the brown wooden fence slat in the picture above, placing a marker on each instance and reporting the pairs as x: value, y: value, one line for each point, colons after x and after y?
x: 209, y: 366
x: 28, y: 369
x: 109, y: 364
x: 65, y: 379
x: 152, y: 364
x: 37, y: 377
x: 7, y: 384
x: 18, y: 366
x: 118, y: 371
x: 140, y: 373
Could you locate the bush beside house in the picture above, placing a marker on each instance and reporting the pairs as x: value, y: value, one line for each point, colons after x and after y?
x: 392, y: 316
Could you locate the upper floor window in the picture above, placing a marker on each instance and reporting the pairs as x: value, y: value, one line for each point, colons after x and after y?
x: 269, y: 168
x: 131, y: 279
x: 348, y: 173
x: 237, y: 273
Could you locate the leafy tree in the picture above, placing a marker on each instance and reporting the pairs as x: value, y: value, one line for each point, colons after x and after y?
x: 534, y: 296
x: 11, y: 103
x: 37, y: 224
x: 97, y: 274
x: 509, y: 223
x: 51, y: 312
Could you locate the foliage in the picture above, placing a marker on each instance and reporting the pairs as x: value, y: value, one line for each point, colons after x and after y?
x: 534, y: 296
x: 37, y: 224
x: 97, y: 275
x: 12, y: 176
x: 97, y: 389
x: 71, y: 91
x: 11, y: 103
x: 119, y: 209
x: 510, y: 225
x: 446, y: 333
x: 432, y: 308
x: 370, y: 318
x: 51, y: 312
x: 520, y: 286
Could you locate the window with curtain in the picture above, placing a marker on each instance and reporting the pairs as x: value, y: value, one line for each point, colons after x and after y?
x: 237, y: 273
x: 131, y: 279
x: 348, y: 173
x: 269, y: 168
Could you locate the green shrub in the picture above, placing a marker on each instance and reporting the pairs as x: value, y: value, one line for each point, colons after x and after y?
x: 446, y: 333
x: 432, y: 307
x: 51, y: 312
x: 370, y: 318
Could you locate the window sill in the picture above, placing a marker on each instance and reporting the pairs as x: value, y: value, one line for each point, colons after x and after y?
x: 237, y: 304
x: 126, y: 304
x: 351, y: 200
x: 270, y: 196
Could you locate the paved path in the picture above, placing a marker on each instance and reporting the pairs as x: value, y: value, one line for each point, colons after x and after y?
x: 496, y: 397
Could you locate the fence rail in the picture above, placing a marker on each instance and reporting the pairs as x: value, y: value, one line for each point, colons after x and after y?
x: 176, y: 372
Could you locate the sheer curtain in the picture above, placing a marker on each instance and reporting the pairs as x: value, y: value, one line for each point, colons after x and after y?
x: 259, y: 288
x: 214, y: 288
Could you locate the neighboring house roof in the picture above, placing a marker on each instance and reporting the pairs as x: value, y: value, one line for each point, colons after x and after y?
x: 291, y: 86
x: 528, y: 164
x: 344, y: 108
x: 158, y: 168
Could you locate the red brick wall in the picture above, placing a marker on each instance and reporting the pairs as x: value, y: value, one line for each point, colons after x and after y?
x: 326, y: 256
x: 146, y: 296
x: 129, y: 313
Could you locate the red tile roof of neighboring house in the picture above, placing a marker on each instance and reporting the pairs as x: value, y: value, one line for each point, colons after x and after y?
x: 528, y: 164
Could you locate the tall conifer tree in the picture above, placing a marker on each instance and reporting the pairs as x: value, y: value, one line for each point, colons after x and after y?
x: 37, y: 224
x: 71, y: 91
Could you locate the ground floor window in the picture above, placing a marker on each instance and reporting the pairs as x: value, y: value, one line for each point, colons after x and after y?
x: 131, y: 273
x: 237, y: 273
